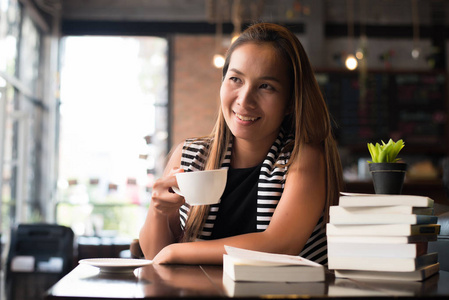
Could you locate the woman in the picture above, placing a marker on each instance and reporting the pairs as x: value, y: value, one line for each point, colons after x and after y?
x: 273, y: 134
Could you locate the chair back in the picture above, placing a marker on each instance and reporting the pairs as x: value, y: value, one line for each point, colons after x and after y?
x: 136, y: 251
x: 39, y: 255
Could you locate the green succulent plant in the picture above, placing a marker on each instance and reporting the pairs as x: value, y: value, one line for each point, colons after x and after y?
x: 385, y: 153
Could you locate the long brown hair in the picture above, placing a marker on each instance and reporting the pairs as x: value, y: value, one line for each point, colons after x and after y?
x: 309, y: 120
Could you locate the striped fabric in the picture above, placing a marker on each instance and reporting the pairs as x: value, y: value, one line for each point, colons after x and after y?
x: 270, y: 187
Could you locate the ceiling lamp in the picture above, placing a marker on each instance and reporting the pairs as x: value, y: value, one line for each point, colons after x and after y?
x: 351, y: 61
x: 415, y: 19
x: 219, y: 61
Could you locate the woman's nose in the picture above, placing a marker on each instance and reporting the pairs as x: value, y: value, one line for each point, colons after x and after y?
x: 246, y: 98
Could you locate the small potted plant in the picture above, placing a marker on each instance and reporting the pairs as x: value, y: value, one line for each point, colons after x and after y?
x: 387, y: 172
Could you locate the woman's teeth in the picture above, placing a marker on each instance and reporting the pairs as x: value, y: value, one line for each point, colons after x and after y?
x: 243, y: 118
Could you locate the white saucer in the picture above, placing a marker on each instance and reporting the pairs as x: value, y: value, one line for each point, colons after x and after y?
x: 116, y: 265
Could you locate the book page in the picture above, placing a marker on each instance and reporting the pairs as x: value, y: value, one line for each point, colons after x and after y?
x: 379, y: 195
x: 250, y: 257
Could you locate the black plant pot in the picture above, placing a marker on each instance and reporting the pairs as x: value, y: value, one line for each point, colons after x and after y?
x: 388, y: 178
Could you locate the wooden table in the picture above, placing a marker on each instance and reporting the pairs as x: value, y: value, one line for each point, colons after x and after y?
x: 181, y: 281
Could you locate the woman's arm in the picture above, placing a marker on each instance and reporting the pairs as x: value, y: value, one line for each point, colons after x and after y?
x: 162, y: 226
x: 296, y: 216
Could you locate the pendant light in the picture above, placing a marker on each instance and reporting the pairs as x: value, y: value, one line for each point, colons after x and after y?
x: 415, y: 20
x: 350, y: 62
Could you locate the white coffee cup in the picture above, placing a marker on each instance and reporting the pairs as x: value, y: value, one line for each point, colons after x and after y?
x: 201, y: 187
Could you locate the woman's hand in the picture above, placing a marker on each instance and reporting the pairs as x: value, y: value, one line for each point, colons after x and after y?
x: 166, y: 255
x: 163, y: 199
x: 162, y: 224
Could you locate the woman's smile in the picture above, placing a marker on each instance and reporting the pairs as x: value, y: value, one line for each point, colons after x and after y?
x: 246, y: 118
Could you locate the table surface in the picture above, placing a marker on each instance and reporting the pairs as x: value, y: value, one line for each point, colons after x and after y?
x: 193, y: 281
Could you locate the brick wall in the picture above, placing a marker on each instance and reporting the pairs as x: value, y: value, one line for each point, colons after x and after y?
x: 195, y: 87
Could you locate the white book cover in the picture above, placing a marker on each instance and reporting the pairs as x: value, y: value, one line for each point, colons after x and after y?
x: 381, y: 263
x: 382, y: 229
x: 375, y: 250
x: 247, y: 265
x: 381, y: 219
x: 349, y: 199
x: 382, y: 239
x: 394, y: 209
x: 251, y: 257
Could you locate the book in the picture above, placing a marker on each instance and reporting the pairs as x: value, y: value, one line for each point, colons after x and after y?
x: 382, y: 229
x: 394, y: 209
x: 376, y: 250
x: 247, y: 265
x: 351, y: 200
x: 382, y: 239
x: 268, y: 289
x: 417, y: 275
x: 392, y: 264
x: 381, y: 219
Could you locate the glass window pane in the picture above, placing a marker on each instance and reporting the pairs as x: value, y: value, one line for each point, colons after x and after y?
x: 113, y: 134
x: 29, y: 54
x: 9, y: 35
x: 7, y: 94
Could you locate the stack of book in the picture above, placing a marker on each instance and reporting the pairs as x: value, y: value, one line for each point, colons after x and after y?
x: 382, y: 237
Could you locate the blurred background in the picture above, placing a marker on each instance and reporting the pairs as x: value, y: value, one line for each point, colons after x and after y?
x: 94, y: 93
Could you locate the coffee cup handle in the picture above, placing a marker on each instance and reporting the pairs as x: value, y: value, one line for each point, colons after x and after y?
x: 177, y: 191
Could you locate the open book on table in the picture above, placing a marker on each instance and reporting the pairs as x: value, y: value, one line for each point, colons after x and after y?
x: 247, y: 265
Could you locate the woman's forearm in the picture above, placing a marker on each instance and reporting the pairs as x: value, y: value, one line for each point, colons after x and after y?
x: 162, y: 224
x: 155, y: 234
x: 211, y: 251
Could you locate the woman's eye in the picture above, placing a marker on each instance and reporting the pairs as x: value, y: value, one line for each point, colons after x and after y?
x: 234, y: 79
x: 266, y: 86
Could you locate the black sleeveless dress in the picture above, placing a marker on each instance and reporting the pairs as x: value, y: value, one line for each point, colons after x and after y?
x: 238, y: 205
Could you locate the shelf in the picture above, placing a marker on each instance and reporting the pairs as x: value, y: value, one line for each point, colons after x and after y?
x: 408, y: 105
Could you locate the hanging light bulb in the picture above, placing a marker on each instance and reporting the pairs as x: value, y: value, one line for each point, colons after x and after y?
x: 415, y: 53
x: 219, y: 61
x: 359, y: 54
x: 415, y: 19
x: 351, y: 62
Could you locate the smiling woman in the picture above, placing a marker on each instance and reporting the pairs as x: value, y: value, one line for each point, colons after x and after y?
x: 109, y: 87
x: 273, y: 136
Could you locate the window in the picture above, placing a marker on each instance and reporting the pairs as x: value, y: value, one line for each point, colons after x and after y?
x: 113, y: 131
x: 22, y: 114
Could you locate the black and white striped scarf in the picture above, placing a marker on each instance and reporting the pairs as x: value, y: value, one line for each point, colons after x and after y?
x: 270, y: 187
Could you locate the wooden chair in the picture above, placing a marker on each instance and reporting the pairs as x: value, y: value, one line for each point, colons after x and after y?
x: 39, y: 255
x: 134, y: 248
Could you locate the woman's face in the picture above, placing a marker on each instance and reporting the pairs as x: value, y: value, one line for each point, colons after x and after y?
x: 255, y: 93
